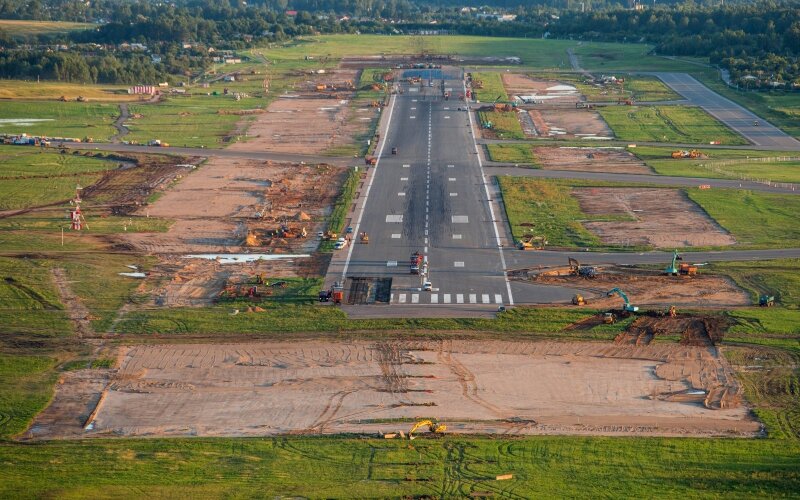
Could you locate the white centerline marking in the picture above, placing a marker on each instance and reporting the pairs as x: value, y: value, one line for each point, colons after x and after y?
x: 401, y: 194
x: 451, y: 179
x: 453, y: 194
x: 457, y: 219
x: 395, y: 236
x: 403, y: 178
x: 458, y: 263
x: 394, y: 218
x: 456, y: 236
x: 391, y: 263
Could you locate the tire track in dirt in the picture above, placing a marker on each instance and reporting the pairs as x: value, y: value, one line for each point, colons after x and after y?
x: 469, y: 386
x: 77, y: 312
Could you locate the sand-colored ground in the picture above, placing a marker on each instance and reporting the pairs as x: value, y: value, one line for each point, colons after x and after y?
x: 547, y: 91
x: 473, y: 386
x: 663, y: 218
x: 569, y: 123
x: 650, y: 288
x: 216, y: 206
x: 309, y: 121
x: 588, y: 159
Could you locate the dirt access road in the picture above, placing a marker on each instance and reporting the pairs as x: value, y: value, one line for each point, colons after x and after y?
x: 320, y: 387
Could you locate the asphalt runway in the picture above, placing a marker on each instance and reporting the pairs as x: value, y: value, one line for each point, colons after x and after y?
x: 749, y: 125
x: 430, y: 197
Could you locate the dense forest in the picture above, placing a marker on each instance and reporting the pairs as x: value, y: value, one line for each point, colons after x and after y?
x: 757, y: 42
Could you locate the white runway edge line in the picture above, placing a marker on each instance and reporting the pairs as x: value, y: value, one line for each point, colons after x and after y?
x: 369, y: 187
x: 488, y: 200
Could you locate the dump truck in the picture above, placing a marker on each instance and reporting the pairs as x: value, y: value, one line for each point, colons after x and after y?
x: 766, y: 301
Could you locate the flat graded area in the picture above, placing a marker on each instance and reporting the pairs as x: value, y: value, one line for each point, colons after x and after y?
x: 570, y: 123
x: 329, y: 387
x: 545, y: 91
x: 651, y: 288
x: 233, y: 205
x: 587, y: 159
x: 663, y: 218
x: 309, y: 121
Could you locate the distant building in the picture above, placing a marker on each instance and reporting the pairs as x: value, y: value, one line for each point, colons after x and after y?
x: 142, y: 89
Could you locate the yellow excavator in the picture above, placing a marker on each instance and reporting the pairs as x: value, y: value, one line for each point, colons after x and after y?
x: 432, y: 426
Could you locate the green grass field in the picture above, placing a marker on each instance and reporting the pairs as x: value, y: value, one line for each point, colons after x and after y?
x: 25, y: 28
x: 26, y: 389
x: 504, y: 124
x: 681, y: 124
x: 551, y: 209
x: 186, y: 121
x: 20, y: 89
x: 724, y: 164
x: 512, y: 153
x: 534, y: 52
x: 29, y: 302
x: 492, y: 89
x: 60, y: 119
x: 545, y: 466
x: 756, y: 220
x: 607, y: 57
x: 643, y: 88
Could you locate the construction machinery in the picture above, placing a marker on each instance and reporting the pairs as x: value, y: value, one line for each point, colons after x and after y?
x: 364, y: 238
x: 432, y: 426
x: 370, y: 160
x: 578, y: 300
x: 576, y: 269
x: 627, y: 307
x: 609, y: 318
x: 672, y: 312
x: 531, y: 242
x: 672, y: 269
x: 687, y: 270
x: 766, y: 300
x: 693, y: 154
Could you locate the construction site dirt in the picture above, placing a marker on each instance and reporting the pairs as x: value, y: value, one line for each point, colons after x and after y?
x: 318, y: 116
x: 644, y: 287
x: 590, y: 159
x: 236, y: 206
x: 322, y: 387
x: 662, y: 218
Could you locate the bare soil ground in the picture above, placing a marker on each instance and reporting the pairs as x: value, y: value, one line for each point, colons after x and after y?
x: 663, y: 218
x: 217, y: 206
x: 588, y: 159
x: 317, y: 387
x: 569, y: 123
x: 650, y: 288
x: 310, y: 122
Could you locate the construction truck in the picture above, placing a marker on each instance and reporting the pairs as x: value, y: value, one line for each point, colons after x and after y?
x: 609, y: 318
x: 693, y: 154
x: 531, y: 242
x: 766, y: 300
x: 364, y: 238
x: 672, y: 269
x: 627, y: 307
x: 415, y: 263
x: 578, y: 300
x: 687, y: 270
x: 576, y: 269
x: 432, y: 426
x: 370, y: 160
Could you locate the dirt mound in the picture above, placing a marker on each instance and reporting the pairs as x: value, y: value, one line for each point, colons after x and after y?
x: 701, y: 331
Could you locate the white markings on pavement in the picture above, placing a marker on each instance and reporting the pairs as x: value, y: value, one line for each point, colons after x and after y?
x: 459, y: 298
x: 457, y: 219
x: 406, y: 165
x: 415, y: 298
x: 498, y: 299
x: 401, y: 298
x: 446, y: 117
x: 485, y: 298
x: 456, y: 236
x: 451, y: 179
x: 394, y: 218
x: 401, y: 194
x: 403, y: 178
x: 395, y: 236
x: 412, y: 117
x: 447, y: 298
x: 458, y: 263
x: 434, y: 298
x: 391, y: 263
x: 451, y: 166
x: 453, y: 194
x: 473, y: 298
